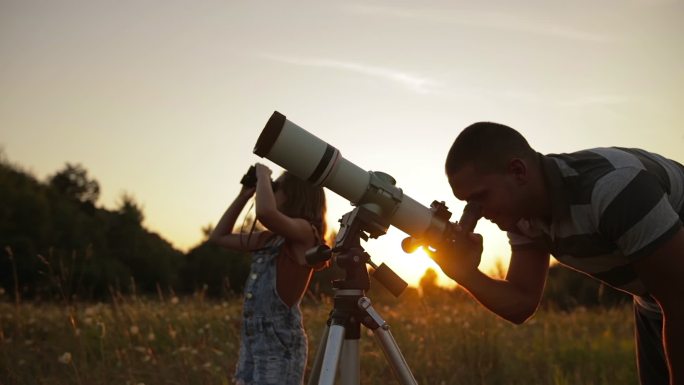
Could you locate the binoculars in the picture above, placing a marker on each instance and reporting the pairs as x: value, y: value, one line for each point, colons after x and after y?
x: 249, y: 180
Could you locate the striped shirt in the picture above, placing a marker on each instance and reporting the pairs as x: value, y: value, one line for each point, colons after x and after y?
x: 610, y: 207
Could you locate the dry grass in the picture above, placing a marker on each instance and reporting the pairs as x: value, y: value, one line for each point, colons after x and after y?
x: 192, y: 341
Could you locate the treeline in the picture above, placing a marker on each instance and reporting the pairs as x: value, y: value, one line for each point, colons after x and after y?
x: 57, y: 243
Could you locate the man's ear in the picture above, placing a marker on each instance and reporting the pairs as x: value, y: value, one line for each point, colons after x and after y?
x: 518, y: 169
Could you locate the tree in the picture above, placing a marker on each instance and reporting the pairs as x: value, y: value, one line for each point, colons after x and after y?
x: 130, y: 210
x: 428, y: 282
x: 222, y: 271
x: 73, y: 181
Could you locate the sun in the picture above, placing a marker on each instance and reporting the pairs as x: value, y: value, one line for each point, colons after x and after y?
x: 411, y: 267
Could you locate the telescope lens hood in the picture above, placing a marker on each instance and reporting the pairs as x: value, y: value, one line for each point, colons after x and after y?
x: 270, y: 134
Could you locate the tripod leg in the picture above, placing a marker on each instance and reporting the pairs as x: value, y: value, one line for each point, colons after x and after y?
x: 350, y: 366
x: 389, y: 345
x: 318, y: 359
x: 394, y: 357
x: 331, y: 357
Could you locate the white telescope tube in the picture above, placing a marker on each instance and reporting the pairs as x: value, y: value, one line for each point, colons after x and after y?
x: 316, y: 161
x: 310, y: 158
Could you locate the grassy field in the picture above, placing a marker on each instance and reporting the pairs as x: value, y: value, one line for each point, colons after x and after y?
x: 447, y: 340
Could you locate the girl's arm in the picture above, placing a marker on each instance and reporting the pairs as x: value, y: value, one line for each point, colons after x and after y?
x: 297, y: 230
x: 223, y: 234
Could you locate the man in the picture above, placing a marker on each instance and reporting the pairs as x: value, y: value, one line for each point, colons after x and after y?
x: 614, y: 214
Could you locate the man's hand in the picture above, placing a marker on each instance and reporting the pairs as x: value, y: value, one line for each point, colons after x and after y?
x: 459, y: 257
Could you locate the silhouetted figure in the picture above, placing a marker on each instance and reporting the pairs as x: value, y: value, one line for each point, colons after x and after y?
x: 273, y: 344
x: 613, y: 213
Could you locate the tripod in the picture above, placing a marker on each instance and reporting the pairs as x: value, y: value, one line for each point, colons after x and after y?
x: 339, y: 344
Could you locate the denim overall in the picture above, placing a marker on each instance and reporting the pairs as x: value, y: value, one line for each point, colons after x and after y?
x: 273, y: 343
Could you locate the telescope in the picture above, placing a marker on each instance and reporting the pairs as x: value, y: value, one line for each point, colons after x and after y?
x: 312, y: 159
x: 380, y: 203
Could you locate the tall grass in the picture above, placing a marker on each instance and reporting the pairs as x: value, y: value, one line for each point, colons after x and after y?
x: 193, y: 341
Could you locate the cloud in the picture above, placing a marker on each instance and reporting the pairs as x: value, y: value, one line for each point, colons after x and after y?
x: 411, y: 81
x: 597, y: 100
x: 426, y: 85
x: 653, y: 3
x: 480, y: 19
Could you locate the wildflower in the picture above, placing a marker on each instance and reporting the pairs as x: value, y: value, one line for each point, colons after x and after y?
x: 65, y: 358
x: 103, y: 329
x: 92, y: 310
x: 172, y: 332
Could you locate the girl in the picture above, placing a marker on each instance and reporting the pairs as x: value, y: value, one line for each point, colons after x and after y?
x: 273, y: 344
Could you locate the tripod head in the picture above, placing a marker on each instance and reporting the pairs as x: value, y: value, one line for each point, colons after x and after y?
x: 360, y: 223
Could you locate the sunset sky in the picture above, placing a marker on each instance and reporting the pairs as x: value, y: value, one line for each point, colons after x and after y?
x: 164, y: 100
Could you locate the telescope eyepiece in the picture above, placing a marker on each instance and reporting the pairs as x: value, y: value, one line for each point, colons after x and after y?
x: 471, y: 214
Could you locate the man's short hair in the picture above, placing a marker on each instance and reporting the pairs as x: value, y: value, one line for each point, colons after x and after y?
x: 489, y: 146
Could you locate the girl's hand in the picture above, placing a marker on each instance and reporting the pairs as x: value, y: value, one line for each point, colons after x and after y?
x: 247, y: 192
x: 263, y: 172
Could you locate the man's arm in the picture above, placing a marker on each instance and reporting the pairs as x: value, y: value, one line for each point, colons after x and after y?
x: 663, y: 274
x: 515, y: 298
